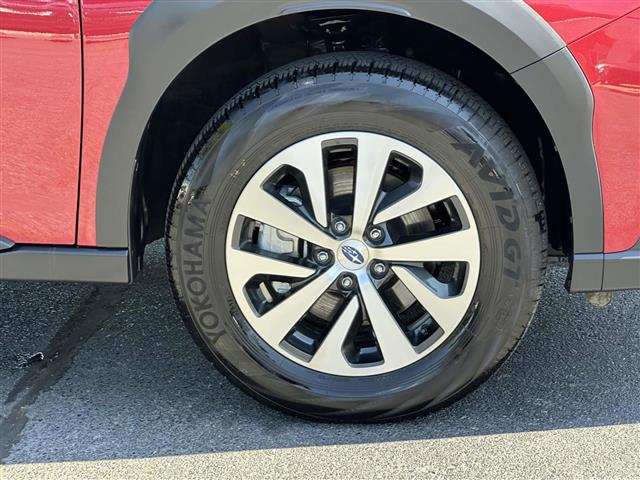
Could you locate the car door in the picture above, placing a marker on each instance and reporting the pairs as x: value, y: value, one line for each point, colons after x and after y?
x: 40, y: 120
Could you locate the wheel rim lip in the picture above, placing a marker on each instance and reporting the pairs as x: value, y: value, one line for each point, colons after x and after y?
x: 362, y: 273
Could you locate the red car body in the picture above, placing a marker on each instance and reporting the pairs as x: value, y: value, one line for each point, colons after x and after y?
x: 65, y: 63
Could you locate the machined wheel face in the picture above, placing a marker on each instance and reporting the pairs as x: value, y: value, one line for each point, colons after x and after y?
x: 352, y: 253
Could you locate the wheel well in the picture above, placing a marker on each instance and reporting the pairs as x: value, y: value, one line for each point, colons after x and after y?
x: 223, y: 69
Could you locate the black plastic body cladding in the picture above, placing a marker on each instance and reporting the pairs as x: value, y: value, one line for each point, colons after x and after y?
x: 69, y: 264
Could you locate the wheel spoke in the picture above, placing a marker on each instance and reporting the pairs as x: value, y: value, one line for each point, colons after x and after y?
x: 276, y: 323
x: 447, y: 312
x: 259, y: 205
x: 436, y: 186
x: 460, y: 246
x: 250, y: 264
x: 394, y: 344
x: 329, y: 355
x: 307, y: 157
x: 373, y: 155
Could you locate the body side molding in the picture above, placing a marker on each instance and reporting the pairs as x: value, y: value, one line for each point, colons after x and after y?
x: 605, y: 271
x: 70, y: 264
x: 622, y: 269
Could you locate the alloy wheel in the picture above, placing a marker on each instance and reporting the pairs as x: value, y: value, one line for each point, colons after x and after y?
x: 352, y: 254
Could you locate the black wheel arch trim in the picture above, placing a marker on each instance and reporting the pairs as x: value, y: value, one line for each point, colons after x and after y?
x: 169, y: 35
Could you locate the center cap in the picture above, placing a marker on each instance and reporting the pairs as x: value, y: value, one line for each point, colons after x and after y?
x: 353, y: 254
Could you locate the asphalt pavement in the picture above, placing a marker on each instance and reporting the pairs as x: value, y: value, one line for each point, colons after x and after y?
x: 121, y: 391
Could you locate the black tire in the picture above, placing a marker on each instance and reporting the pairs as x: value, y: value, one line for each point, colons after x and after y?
x: 383, y: 94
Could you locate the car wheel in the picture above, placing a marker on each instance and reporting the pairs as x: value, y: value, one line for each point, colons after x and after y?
x: 356, y: 237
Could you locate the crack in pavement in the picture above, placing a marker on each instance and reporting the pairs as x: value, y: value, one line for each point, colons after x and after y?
x: 85, y: 322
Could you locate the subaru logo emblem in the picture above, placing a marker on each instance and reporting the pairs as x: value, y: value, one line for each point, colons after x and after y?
x: 352, y: 254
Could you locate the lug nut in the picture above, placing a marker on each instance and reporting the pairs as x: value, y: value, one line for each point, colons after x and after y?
x: 375, y: 234
x: 347, y: 282
x: 322, y: 257
x: 378, y: 270
x: 339, y: 226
